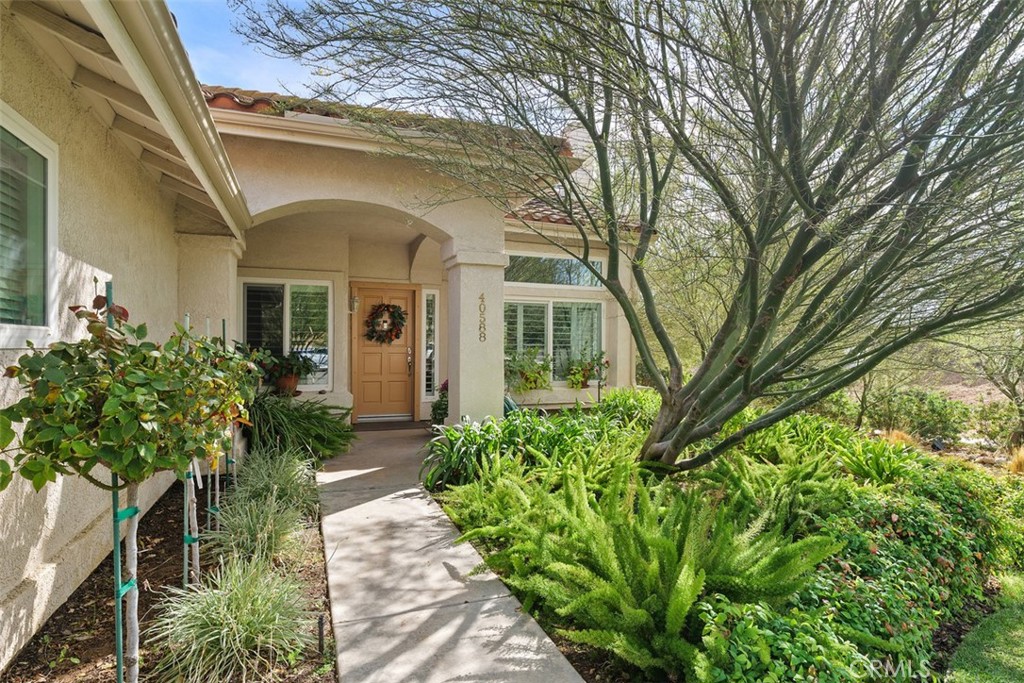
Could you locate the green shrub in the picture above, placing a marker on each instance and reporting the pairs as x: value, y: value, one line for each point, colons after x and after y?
x: 527, y: 370
x: 314, y: 427
x: 876, y: 461
x: 454, y: 455
x: 234, y: 626
x: 622, y: 567
x: 631, y: 406
x: 754, y: 643
x: 794, y: 438
x: 439, y: 406
x: 927, y: 415
x: 837, y: 407
x: 915, y: 554
x: 260, y: 529
x: 284, y: 475
x: 997, y: 422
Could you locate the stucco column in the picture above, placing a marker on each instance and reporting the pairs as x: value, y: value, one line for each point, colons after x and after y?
x: 208, y: 281
x: 476, y: 376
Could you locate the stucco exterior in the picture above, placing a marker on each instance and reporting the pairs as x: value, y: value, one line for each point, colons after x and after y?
x: 261, y: 199
x: 113, y: 223
x: 341, y: 215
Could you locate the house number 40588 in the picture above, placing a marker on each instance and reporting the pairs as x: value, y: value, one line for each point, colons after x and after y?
x: 483, y: 318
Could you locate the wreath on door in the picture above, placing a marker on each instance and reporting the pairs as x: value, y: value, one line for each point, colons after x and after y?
x: 385, y: 323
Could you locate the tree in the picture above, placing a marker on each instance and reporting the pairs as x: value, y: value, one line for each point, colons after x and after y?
x: 996, y: 354
x: 133, y: 406
x: 851, y: 171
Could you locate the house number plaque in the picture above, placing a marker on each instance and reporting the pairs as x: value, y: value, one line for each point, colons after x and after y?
x: 483, y: 318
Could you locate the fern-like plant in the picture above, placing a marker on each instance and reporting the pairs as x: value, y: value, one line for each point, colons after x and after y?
x: 622, y: 565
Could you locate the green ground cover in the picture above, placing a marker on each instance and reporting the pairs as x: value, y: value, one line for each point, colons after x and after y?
x: 994, y: 651
x: 810, y: 553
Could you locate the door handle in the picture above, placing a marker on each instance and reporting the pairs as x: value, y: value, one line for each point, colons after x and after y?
x: 408, y: 359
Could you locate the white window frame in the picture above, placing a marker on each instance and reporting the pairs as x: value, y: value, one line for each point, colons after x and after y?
x: 15, y: 336
x: 549, y: 324
x: 572, y: 288
x: 437, y: 344
x: 287, y: 320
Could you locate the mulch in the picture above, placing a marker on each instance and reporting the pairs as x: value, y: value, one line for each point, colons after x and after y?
x: 77, y: 642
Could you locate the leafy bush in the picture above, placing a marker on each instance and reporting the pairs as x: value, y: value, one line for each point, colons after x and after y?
x: 314, y: 427
x: 927, y: 415
x: 631, y: 406
x: 997, y: 422
x: 439, y: 407
x: 527, y: 370
x: 624, y: 565
x: 753, y: 642
x: 283, y: 475
x: 837, y: 407
x: 234, y: 626
x: 261, y: 529
x: 875, y: 461
x: 455, y: 454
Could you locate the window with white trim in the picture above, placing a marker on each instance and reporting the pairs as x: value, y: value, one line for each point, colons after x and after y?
x: 291, y: 315
x: 551, y: 270
x: 27, y: 231
x: 563, y: 330
x: 430, y: 344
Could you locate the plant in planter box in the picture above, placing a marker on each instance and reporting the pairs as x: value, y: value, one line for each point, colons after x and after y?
x: 284, y: 372
x: 439, y: 408
x: 581, y: 371
x: 527, y: 370
x: 134, y: 406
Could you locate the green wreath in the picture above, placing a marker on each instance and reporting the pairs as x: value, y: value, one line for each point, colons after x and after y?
x: 385, y: 335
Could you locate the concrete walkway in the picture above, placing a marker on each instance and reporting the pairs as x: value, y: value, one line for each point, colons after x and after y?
x: 403, y: 605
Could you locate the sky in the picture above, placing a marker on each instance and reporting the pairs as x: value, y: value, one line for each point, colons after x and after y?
x: 221, y: 57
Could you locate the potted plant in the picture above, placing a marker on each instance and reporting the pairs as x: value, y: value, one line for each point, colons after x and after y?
x: 284, y: 372
x: 527, y: 370
x: 581, y: 370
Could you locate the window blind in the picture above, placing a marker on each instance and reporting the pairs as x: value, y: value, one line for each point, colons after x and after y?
x: 22, y: 232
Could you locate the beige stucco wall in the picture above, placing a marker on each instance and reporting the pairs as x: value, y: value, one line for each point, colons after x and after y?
x: 320, y: 248
x: 374, y: 198
x: 112, y: 223
x: 312, y: 251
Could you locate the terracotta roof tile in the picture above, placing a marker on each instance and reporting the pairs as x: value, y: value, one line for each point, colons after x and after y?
x: 276, y: 104
x: 539, y: 211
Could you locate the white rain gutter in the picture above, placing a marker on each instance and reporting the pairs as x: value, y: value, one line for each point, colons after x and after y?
x: 146, y: 41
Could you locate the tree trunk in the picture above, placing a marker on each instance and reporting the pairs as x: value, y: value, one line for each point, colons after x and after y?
x: 131, y: 545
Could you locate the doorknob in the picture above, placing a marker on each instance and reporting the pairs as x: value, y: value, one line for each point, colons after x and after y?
x: 408, y: 359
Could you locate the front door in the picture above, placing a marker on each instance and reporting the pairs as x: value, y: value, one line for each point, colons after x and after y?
x: 385, y: 373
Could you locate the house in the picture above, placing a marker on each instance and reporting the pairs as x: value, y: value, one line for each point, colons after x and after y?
x: 287, y: 224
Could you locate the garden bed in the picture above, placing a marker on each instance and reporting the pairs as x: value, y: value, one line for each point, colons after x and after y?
x: 77, y: 642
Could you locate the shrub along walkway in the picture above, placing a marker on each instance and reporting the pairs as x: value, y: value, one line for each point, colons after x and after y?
x: 403, y: 603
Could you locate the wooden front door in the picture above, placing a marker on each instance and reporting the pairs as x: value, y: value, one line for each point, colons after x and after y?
x: 385, y: 374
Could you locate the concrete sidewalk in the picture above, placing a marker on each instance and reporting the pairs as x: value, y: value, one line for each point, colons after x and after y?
x: 403, y: 605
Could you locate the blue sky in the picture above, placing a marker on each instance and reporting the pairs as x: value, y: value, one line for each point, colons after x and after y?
x: 221, y: 57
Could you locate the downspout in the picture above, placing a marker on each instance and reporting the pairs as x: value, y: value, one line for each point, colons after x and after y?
x: 146, y: 41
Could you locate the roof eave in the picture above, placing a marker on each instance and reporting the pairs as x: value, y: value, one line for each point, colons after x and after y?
x: 144, y: 37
